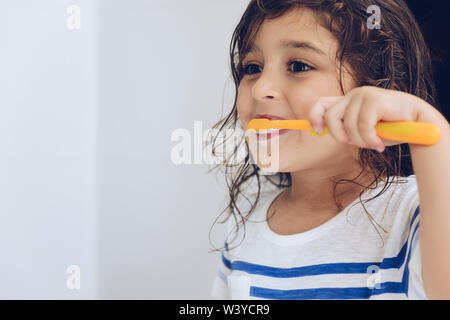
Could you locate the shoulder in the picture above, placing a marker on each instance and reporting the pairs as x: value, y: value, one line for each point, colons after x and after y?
x: 408, y: 182
x: 405, y: 207
x: 403, y: 190
x: 409, y: 193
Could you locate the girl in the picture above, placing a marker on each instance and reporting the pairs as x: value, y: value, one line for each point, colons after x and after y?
x: 307, y: 233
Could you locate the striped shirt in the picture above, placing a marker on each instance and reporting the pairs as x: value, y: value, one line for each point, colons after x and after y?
x: 343, y: 258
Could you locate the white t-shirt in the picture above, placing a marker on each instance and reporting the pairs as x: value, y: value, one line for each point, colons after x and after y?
x: 343, y: 258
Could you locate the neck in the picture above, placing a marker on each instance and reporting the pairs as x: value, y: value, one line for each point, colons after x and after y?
x: 314, y: 189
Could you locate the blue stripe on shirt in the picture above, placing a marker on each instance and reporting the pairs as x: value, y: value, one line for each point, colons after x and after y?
x: 327, y: 293
x: 405, y: 279
x: 338, y: 293
x: 329, y: 268
x: 326, y: 268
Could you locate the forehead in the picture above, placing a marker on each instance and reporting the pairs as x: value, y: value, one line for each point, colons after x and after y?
x: 299, y: 24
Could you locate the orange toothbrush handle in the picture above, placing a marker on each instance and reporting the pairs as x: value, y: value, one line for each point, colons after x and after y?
x: 409, y: 132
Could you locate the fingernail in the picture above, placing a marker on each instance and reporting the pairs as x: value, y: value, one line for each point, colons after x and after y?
x: 317, y: 130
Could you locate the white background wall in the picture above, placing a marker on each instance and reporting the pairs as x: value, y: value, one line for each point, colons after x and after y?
x: 86, y: 118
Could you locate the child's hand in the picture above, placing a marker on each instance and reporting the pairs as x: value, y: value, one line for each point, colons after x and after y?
x: 352, y: 118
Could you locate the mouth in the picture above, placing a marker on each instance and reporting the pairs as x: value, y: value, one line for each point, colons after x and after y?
x: 269, y: 133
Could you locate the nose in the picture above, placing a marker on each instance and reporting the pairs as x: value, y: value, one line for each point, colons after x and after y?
x: 267, y: 86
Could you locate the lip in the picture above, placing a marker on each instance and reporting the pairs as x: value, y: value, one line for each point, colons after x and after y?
x: 268, y: 116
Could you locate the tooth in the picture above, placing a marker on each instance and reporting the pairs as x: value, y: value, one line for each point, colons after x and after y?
x: 268, y: 131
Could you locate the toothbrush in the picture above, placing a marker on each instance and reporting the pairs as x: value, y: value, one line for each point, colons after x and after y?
x: 405, y: 131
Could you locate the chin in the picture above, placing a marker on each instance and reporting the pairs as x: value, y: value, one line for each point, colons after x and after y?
x: 273, y: 167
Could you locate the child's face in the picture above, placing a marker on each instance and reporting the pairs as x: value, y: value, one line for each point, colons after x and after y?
x: 275, y: 85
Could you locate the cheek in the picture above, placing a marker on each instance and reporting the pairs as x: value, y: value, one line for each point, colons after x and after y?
x: 244, y: 106
x: 304, y: 95
x: 302, y: 101
x: 302, y: 144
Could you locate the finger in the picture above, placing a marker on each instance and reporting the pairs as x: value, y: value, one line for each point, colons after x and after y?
x: 334, y: 117
x: 368, y: 118
x: 318, y: 110
x: 351, y: 118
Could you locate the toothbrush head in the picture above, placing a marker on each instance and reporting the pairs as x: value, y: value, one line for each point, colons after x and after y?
x: 261, y: 124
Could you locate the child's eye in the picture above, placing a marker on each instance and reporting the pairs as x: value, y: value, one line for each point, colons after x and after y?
x: 248, y: 69
x: 301, y: 67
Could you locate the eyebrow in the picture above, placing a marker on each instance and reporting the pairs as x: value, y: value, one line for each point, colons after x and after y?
x: 293, y: 44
